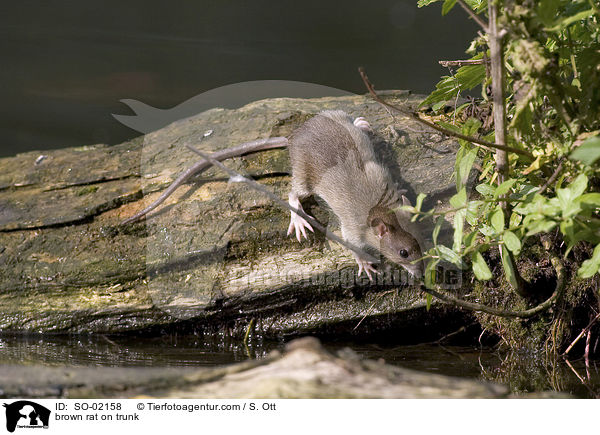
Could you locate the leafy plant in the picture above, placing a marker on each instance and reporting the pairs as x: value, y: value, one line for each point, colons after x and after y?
x: 549, y: 89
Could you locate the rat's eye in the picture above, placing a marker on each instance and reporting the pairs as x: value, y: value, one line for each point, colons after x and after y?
x: 403, y: 253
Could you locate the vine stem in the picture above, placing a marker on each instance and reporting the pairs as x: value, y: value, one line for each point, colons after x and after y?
x: 524, y: 314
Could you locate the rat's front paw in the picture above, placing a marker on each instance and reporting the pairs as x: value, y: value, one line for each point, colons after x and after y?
x: 367, y: 266
x: 299, y: 225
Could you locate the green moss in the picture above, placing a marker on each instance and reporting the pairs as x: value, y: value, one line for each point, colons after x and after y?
x: 552, y: 331
x: 87, y: 189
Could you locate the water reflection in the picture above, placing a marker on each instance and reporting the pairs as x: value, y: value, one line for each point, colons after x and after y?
x: 522, y: 373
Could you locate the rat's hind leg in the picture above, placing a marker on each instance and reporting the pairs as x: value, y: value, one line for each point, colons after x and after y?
x: 362, y: 124
x: 297, y: 223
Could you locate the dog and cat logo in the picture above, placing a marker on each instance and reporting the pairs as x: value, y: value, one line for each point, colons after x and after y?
x: 26, y: 414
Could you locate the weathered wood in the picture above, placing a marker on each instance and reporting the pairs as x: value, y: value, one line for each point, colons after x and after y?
x: 215, y: 254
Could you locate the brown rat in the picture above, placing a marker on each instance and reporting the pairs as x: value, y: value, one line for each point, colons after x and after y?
x: 332, y: 156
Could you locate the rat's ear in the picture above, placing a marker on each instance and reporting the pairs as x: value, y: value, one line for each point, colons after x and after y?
x: 379, y: 227
x: 404, y: 214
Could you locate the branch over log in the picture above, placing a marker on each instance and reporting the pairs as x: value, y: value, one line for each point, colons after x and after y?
x: 479, y: 142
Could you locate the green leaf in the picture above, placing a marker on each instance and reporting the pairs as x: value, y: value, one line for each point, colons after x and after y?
x: 459, y: 221
x: 422, y: 3
x: 515, y: 219
x: 466, y: 78
x: 563, y: 23
x: 509, y: 272
x: 472, y: 216
x: 430, y: 272
x: 428, y: 299
x: 593, y: 199
x: 419, y: 201
x: 436, y: 229
x: 450, y: 256
x: 480, y: 268
x: 463, y: 166
x: 485, y: 189
x: 579, y: 185
x: 459, y: 199
x: 567, y: 227
x: 470, y: 239
x: 590, y: 267
x: 588, y: 152
x: 540, y: 226
x: 546, y: 11
x: 568, y: 196
x: 497, y: 220
x: 504, y: 187
x: 486, y: 230
x: 512, y: 242
x: 471, y: 126
x: 447, y: 6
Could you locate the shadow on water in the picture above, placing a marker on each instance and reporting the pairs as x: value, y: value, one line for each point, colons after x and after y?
x: 522, y: 373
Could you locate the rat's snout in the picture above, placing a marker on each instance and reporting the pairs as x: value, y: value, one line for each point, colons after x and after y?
x: 416, y: 269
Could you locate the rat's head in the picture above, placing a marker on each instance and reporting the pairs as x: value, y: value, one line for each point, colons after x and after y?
x: 396, y: 244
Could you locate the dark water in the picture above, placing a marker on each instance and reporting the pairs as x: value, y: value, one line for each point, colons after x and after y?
x: 521, y: 373
x: 66, y: 64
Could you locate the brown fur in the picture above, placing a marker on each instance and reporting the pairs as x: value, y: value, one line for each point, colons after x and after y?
x: 335, y: 160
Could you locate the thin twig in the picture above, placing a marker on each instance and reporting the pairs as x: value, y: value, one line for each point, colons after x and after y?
x: 552, y: 177
x: 478, y: 142
x: 576, y: 373
x: 473, y: 15
x: 257, y: 186
x: 448, y: 63
x: 560, y: 285
x: 248, y: 330
x: 452, y: 334
x: 370, y: 310
x: 586, y: 355
x: 581, y: 334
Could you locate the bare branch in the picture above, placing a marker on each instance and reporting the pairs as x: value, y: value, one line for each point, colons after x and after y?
x: 447, y: 63
x: 582, y: 333
x: 499, y: 107
x: 473, y: 15
x: 478, y: 142
x: 553, y: 177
